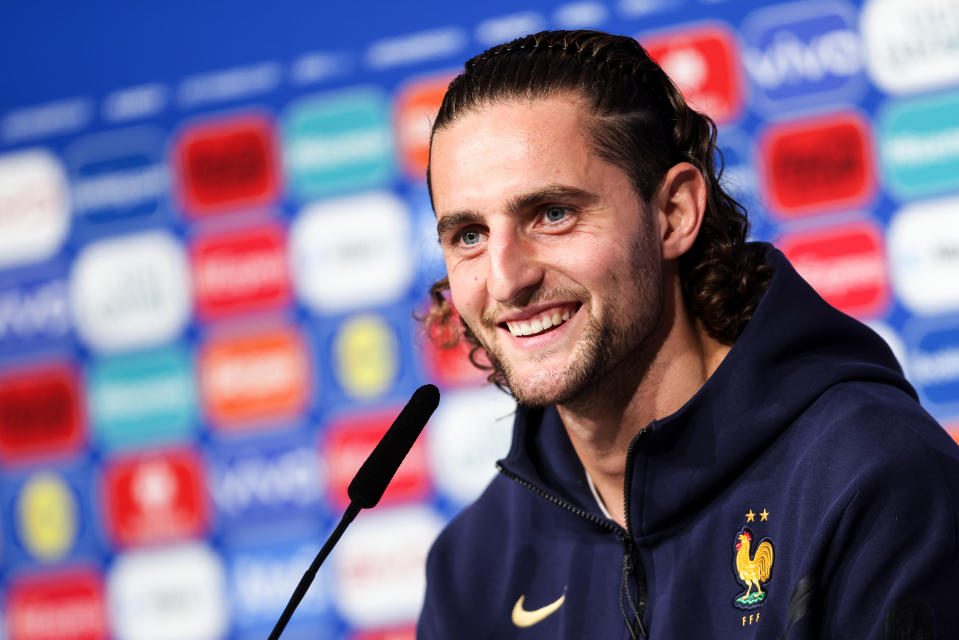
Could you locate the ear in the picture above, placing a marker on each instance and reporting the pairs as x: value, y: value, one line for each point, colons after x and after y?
x: 680, y: 203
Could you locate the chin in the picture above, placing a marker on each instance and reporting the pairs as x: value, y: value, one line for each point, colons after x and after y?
x: 545, y: 388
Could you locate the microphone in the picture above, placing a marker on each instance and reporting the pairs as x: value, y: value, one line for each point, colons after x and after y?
x: 370, y: 482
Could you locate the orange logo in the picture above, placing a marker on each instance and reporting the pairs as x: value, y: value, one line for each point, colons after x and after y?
x: 252, y: 379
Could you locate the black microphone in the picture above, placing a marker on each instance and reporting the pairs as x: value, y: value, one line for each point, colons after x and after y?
x: 370, y: 482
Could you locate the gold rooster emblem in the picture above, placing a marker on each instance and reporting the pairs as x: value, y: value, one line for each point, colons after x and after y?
x: 752, y: 570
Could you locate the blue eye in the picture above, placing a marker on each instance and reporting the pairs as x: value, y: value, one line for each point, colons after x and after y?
x: 555, y: 214
x: 470, y: 237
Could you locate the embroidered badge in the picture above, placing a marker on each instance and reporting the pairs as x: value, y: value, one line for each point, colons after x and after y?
x: 752, y: 568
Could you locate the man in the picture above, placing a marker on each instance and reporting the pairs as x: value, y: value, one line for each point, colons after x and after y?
x: 703, y: 448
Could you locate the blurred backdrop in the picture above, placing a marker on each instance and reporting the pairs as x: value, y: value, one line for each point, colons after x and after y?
x: 214, y: 231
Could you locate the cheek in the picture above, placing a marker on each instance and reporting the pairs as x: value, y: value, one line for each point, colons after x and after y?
x: 467, y: 292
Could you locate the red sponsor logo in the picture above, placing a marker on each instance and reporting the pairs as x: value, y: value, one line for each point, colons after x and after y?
x: 347, y: 444
x: 66, y: 605
x: 704, y: 64
x: 408, y: 633
x: 251, y: 379
x: 240, y: 272
x: 155, y: 497
x: 817, y: 165
x: 228, y: 164
x: 450, y: 366
x: 40, y: 412
x: 846, y: 265
x: 416, y: 107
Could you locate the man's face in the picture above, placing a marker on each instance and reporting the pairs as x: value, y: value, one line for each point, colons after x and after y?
x: 553, y: 260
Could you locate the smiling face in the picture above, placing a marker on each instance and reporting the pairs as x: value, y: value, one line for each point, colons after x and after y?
x: 554, y: 261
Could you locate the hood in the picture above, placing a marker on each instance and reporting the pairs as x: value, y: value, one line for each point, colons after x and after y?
x: 793, y: 349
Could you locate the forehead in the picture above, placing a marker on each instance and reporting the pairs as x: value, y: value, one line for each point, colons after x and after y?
x: 501, y: 149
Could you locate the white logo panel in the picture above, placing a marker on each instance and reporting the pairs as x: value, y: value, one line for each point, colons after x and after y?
x: 176, y: 593
x: 34, y: 207
x: 352, y: 252
x: 923, y: 245
x: 911, y: 46
x: 380, y: 566
x: 131, y: 291
x: 470, y: 431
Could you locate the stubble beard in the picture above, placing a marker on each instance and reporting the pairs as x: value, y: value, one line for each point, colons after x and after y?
x: 613, y: 350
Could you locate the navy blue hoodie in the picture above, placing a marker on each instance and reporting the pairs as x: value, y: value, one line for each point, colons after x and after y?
x: 801, y: 493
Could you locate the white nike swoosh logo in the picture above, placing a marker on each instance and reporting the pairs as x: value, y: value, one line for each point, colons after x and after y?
x: 524, y: 618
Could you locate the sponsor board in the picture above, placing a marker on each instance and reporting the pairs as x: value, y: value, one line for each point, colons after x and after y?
x: 261, y: 580
x: 248, y: 380
x: 846, y: 265
x: 47, y: 516
x: 803, y: 54
x: 131, y: 291
x: 34, y: 207
x: 267, y: 481
x: 62, y: 605
x: 402, y: 633
x: 41, y: 412
x: 338, y: 142
x: 470, y: 431
x: 34, y: 312
x: 818, y: 165
x: 142, y: 399
x: 240, y: 272
x: 380, y: 566
x: 352, y: 252
x: 226, y: 164
x: 450, y: 366
x: 154, y: 497
x: 117, y: 176
x: 934, y: 364
x: 169, y: 593
x: 919, y: 145
x: 348, y: 441
x: 703, y: 61
x: 911, y: 46
x: 923, y: 240
x: 366, y: 357
x: 414, y: 111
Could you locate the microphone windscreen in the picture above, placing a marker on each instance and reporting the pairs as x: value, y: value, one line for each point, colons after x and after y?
x: 370, y: 481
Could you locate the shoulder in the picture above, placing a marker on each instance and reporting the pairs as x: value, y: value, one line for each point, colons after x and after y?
x: 868, y: 428
x: 475, y: 529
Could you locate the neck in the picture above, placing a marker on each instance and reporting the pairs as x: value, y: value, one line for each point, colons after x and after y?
x: 678, y: 359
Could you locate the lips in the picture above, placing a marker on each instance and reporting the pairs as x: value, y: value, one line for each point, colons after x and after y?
x: 540, y: 322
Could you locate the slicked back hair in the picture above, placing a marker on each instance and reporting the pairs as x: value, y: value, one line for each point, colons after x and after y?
x: 640, y: 123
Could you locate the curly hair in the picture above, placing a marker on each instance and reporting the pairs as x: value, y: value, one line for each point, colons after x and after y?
x: 641, y: 123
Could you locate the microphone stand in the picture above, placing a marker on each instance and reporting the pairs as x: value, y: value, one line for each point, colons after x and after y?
x: 310, y: 574
x: 370, y: 482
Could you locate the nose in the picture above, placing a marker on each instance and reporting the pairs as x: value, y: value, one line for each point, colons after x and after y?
x: 514, y: 272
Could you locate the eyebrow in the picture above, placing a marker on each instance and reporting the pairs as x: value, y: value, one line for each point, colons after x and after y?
x: 517, y: 204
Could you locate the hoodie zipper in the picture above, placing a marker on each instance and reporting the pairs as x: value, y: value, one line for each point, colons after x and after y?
x: 631, y: 561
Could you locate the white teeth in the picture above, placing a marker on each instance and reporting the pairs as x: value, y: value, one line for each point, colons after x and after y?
x: 538, y: 324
